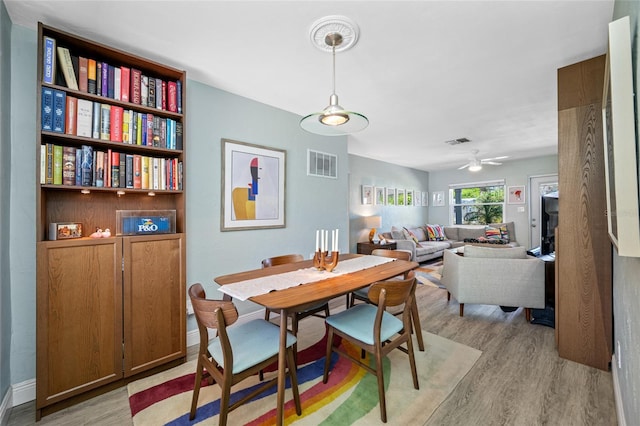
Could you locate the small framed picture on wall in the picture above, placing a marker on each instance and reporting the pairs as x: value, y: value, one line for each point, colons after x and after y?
x: 391, y: 196
x: 438, y: 198
x: 380, y: 198
x: 515, y: 194
x: 425, y: 199
x: 367, y: 194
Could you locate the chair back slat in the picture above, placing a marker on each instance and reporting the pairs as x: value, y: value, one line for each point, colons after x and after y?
x: 397, y: 254
x: 205, y: 309
x: 281, y: 260
x: 397, y: 292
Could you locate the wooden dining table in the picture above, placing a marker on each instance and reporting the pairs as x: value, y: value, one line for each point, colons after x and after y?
x: 301, y: 297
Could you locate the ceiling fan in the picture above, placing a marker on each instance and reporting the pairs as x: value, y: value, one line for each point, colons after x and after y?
x: 475, y: 164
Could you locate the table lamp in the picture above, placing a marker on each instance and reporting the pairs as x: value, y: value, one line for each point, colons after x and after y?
x: 372, y: 222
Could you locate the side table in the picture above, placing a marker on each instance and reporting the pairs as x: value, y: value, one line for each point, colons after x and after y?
x: 367, y: 247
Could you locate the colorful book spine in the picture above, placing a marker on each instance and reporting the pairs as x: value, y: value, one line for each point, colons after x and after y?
x: 96, y: 115
x: 135, y: 86
x: 49, y: 60
x: 123, y: 171
x: 179, y: 95
x: 142, y: 129
x: 125, y: 83
x: 68, y: 165
x: 59, y: 106
x: 137, y: 171
x: 105, y: 122
x: 126, y: 122
x: 104, y: 77
x: 110, y: 81
x: 83, y: 74
x: 64, y: 56
x: 99, y: 170
x: 179, y: 136
x: 149, y: 139
x: 151, y: 97
x: 107, y: 169
x: 163, y: 98
x: 129, y: 173
x: 91, y: 76
x: 71, y: 115
x: 49, y: 164
x: 87, y: 165
x: 172, y: 96
x: 84, y: 118
x: 99, y: 78
x: 144, y: 90
x: 46, y: 112
x: 78, y: 181
x: 115, y: 170
x: 57, y: 165
x: 117, y: 84
x: 145, y: 173
x: 115, y: 130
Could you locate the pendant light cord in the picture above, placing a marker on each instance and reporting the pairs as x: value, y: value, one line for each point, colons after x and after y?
x: 333, y: 48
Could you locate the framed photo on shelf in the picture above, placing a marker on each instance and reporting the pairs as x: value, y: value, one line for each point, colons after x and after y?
x: 425, y: 199
x: 253, y: 182
x: 367, y: 194
x: 438, y: 198
x: 380, y: 198
x: 515, y: 194
x: 400, y: 197
x: 391, y: 196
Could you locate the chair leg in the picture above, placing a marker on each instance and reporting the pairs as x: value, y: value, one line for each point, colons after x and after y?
x: 412, y: 363
x: 293, y: 375
x: 380, y: 377
x: 224, y: 403
x: 267, y: 314
x: 294, y: 330
x: 462, y: 309
x: 448, y: 296
x: 416, y: 325
x: 527, y: 314
x: 327, y: 361
x: 326, y: 311
x: 196, y: 391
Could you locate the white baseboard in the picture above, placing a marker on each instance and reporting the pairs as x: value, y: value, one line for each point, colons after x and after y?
x: 4, y: 408
x: 24, y: 392
x: 616, y: 392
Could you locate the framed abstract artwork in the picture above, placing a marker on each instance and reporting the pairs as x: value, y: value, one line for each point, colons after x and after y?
x: 425, y: 199
x: 380, y: 198
x: 515, y: 194
x: 438, y: 198
x: 367, y: 194
x: 253, y: 186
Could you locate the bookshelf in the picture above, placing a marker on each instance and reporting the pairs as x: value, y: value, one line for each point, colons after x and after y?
x: 113, y: 308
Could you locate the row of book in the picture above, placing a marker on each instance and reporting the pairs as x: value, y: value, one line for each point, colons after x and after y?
x: 100, y: 78
x: 65, y: 165
x: 67, y: 114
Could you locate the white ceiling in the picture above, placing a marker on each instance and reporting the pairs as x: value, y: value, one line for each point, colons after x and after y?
x: 423, y: 72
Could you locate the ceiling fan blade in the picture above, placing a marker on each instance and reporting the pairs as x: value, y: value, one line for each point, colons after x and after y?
x: 494, y: 158
x: 464, y: 167
x: 493, y: 163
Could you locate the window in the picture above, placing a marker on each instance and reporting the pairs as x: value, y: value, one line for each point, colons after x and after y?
x: 477, y: 203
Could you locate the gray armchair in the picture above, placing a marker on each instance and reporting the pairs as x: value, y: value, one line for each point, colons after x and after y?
x: 494, y: 276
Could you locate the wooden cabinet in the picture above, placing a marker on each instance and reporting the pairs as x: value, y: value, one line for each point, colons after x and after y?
x: 109, y: 309
x: 367, y: 247
x: 584, y: 311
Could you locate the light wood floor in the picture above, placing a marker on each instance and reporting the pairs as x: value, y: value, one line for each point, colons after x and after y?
x: 518, y: 380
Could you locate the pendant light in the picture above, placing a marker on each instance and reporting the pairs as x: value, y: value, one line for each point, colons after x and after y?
x: 334, y: 120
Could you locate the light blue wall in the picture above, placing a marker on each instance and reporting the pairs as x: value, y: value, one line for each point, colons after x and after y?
x: 22, y: 203
x: 311, y: 202
x: 516, y: 172
x: 5, y: 168
x: 626, y: 270
x: 364, y: 171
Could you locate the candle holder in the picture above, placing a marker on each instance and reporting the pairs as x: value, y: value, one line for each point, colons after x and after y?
x: 322, y: 260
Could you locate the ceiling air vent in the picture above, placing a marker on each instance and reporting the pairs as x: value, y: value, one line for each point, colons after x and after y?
x: 458, y: 141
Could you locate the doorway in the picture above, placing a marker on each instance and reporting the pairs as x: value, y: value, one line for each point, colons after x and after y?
x: 539, y: 186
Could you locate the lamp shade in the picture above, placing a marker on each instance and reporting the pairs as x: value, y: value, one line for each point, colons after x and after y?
x: 372, y: 222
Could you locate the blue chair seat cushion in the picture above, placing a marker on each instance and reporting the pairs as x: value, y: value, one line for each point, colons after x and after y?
x: 358, y: 322
x: 362, y: 292
x: 251, y: 343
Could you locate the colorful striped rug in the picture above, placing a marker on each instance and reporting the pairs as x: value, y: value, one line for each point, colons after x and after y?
x: 349, y: 397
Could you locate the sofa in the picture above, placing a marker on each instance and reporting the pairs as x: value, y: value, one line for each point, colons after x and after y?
x: 416, y: 240
x: 495, y: 276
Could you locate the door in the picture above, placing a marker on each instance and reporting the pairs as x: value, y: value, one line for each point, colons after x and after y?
x: 154, y: 301
x: 79, y: 317
x: 539, y: 186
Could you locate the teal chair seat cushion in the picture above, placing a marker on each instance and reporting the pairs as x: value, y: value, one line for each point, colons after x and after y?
x: 362, y: 292
x: 358, y: 323
x: 251, y: 343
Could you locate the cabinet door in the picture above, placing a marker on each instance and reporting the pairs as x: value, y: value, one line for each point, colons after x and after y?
x: 154, y: 301
x: 79, y: 317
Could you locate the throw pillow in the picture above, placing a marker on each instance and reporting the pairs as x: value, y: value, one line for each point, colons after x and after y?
x: 504, y: 233
x: 439, y: 230
x: 411, y: 236
x: 431, y: 233
x: 492, y: 233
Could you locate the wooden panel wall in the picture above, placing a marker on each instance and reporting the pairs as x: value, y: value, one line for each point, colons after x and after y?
x: 584, y: 314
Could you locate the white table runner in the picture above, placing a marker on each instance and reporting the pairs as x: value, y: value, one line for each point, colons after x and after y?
x: 243, y: 290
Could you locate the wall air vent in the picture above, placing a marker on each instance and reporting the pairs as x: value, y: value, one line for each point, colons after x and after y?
x: 321, y: 164
x: 458, y: 141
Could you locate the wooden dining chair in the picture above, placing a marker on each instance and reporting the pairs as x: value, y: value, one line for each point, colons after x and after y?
x: 296, y: 316
x: 237, y: 352
x: 372, y: 328
x: 363, y: 293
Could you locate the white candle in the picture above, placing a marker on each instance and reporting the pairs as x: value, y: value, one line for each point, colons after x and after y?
x: 317, y: 247
x: 336, y: 240
x: 333, y: 240
x: 322, y: 240
x: 326, y: 240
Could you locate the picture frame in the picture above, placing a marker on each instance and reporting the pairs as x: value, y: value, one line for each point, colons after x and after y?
x: 380, y: 198
x: 391, y: 196
x: 425, y: 199
x: 400, y: 197
x: 417, y: 198
x: 515, y: 194
x: 409, y: 198
x: 245, y: 167
x: 367, y: 195
x: 438, y: 198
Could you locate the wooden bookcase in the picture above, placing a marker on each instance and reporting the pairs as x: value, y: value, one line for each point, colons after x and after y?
x: 109, y: 310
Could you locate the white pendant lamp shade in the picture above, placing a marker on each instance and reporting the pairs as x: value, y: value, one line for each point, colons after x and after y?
x: 334, y: 120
